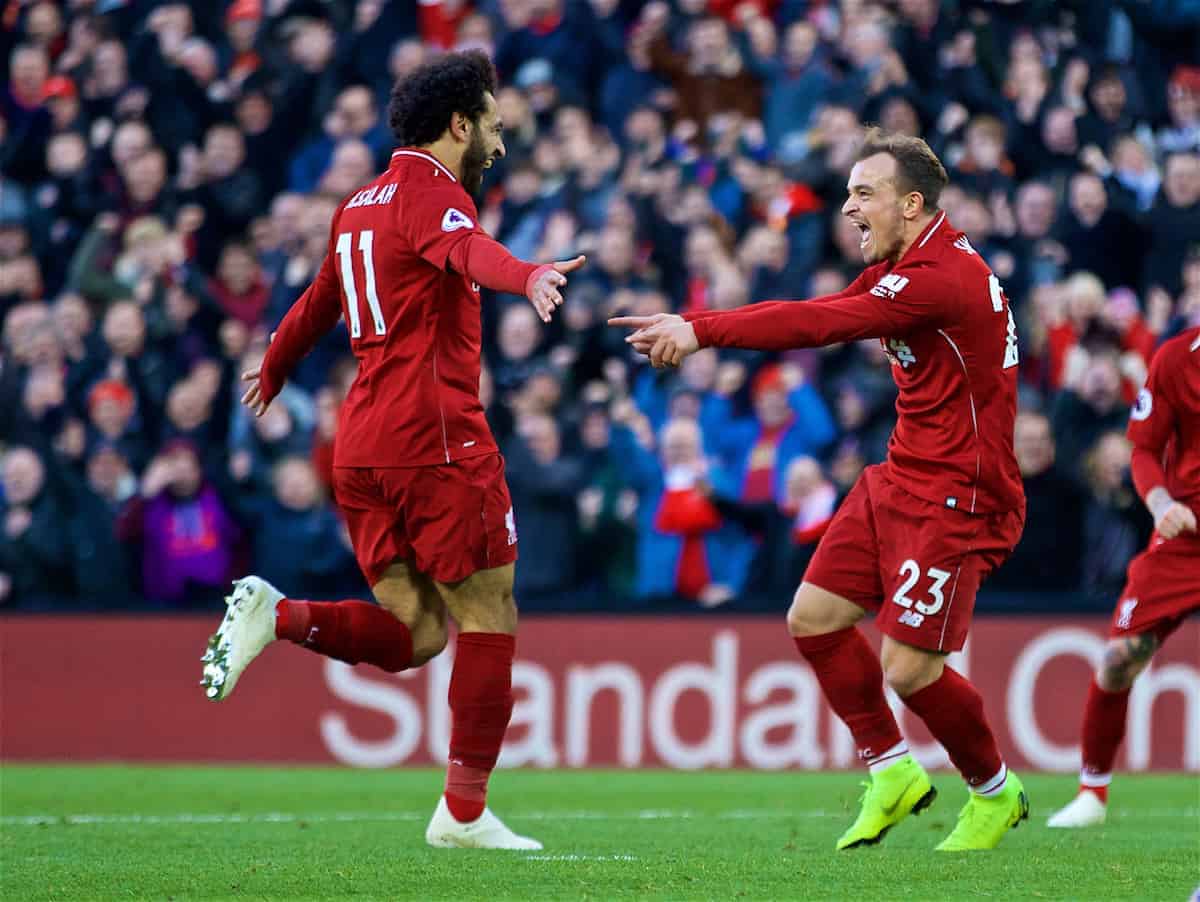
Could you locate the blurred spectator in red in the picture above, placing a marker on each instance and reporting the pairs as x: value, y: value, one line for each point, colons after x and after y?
x: 1183, y: 104
x: 239, y: 288
x: 111, y: 410
x: 440, y: 20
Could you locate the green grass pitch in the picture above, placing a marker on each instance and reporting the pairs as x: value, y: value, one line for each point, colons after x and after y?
x: 114, y: 832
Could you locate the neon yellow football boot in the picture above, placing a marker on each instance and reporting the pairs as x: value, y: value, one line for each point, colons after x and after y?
x: 892, y: 795
x: 983, y: 822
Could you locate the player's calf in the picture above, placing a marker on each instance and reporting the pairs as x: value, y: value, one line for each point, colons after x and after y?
x: 1104, y: 716
x: 907, y: 669
x: 1124, y: 659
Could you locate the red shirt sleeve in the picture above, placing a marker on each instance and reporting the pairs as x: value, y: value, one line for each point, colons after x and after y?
x: 862, y: 283
x: 436, y: 220
x: 442, y: 227
x: 315, y: 313
x: 1151, y: 425
x: 486, y: 261
x: 902, y: 300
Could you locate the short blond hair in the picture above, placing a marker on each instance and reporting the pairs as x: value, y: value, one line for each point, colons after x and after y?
x: 917, y: 166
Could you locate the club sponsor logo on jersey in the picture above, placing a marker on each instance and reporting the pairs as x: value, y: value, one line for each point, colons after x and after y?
x: 1125, y: 617
x: 889, y: 286
x: 899, y: 353
x: 1143, y: 406
x: 453, y: 220
x: 373, y: 196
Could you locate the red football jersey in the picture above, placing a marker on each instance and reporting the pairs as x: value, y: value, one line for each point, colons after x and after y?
x: 1165, y: 422
x: 945, y: 323
x: 414, y: 323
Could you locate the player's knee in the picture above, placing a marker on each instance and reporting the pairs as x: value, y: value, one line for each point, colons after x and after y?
x: 815, y: 612
x: 908, y: 670
x: 429, y: 637
x: 488, y: 615
x: 801, y: 622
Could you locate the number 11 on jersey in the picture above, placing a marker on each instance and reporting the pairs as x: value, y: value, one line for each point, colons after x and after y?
x: 343, y: 249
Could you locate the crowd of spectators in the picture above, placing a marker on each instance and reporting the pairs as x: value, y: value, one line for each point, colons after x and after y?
x: 168, y: 171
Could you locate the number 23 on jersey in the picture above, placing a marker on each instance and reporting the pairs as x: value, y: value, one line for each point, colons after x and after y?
x: 999, y: 306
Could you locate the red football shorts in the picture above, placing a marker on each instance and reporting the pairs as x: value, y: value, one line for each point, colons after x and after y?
x: 915, y: 563
x: 448, y: 521
x: 1162, y: 587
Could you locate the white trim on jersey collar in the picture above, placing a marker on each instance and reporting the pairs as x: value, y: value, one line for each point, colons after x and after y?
x: 432, y: 159
x: 936, y: 224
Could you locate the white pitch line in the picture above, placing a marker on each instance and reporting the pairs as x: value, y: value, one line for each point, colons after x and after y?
x: 653, y: 814
x: 581, y: 858
x: 277, y: 817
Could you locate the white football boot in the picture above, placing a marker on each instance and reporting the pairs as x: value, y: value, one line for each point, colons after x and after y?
x: 485, y: 832
x: 1085, y: 810
x: 248, y: 627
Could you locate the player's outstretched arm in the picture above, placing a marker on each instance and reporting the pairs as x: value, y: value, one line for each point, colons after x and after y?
x: 1151, y: 425
x: 780, y: 326
x: 811, y: 324
x: 312, y: 316
x: 545, y: 285
x: 487, y: 262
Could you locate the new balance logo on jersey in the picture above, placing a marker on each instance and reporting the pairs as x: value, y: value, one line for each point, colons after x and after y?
x: 1125, y: 617
x: 963, y: 244
x: 510, y: 523
x: 912, y: 618
x: 453, y: 220
x: 889, y: 286
x: 899, y: 353
x: 379, y: 194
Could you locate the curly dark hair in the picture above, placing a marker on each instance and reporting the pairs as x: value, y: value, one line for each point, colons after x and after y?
x: 423, y: 102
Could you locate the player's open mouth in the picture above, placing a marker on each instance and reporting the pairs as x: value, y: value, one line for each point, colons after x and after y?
x: 866, y: 233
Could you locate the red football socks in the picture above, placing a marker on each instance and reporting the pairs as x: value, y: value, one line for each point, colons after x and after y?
x: 953, y: 710
x: 852, y: 680
x: 1103, y: 731
x: 351, y: 631
x: 481, y: 704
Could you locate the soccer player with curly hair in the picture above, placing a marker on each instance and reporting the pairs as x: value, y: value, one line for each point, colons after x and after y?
x: 417, y: 471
